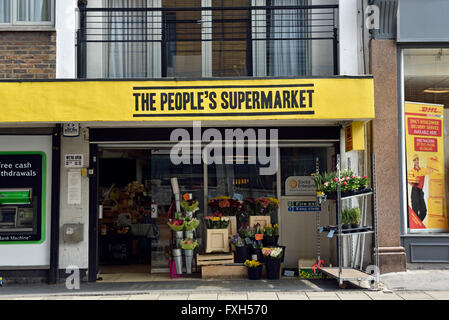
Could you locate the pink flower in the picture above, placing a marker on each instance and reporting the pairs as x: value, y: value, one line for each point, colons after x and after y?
x: 358, y: 177
x: 326, y: 183
x: 335, y: 179
x: 345, y: 183
x: 352, y: 177
x: 365, y: 177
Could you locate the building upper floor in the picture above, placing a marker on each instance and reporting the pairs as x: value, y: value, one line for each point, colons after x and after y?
x: 151, y: 39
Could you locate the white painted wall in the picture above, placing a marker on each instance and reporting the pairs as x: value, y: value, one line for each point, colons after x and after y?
x: 349, y: 37
x: 29, y: 256
x: 74, y: 253
x: 65, y: 24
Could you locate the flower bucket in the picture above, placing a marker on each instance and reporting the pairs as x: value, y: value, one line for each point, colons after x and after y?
x: 188, y: 234
x: 273, y: 268
x: 172, y: 267
x: 179, y: 235
x: 256, y: 252
x: 177, y: 256
x: 189, y: 258
x: 242, y: 254
x: 255, y: 273
x: 269, y: 241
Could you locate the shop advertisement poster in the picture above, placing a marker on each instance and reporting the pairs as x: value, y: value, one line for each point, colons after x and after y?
x: 22, y: 197
x: 300, y: 185
x: 426, y: 196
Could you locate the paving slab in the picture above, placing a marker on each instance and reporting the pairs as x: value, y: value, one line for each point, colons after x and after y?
x: 144, y: 297
x: 292, y: 296
x: 233, y: 296
x: 262, y: 296
x: 110, y: 297
x: 438, y: 295
x: 202, y: 296
x: 383, y: 296
x: 414, y: 296
x: 173, y: 296
x: 322, y: 295
x: 359, y: 295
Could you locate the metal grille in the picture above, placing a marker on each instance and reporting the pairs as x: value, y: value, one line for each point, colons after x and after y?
x: 207, y: 41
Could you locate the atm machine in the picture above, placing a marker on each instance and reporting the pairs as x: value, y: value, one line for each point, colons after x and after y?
x: 18, y: 211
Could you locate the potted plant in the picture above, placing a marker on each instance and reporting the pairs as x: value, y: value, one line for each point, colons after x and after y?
x: 217, y: 233
x: 188, y: 245
x: 256, y: 250
x: 254, y: 269
x: 346, y: 218
x: 350, y: 183
x: 242, y: 250
x: 272, y: 258
x: 189, y: 206
x: 268, y: 237
x: 356, y: 217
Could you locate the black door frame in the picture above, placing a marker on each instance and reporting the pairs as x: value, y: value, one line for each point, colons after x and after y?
x: 93, y: 213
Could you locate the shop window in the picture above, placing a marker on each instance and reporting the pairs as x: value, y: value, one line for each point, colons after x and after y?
x: 22, y: 208
x: 426, y: 108
x: 26, y: 12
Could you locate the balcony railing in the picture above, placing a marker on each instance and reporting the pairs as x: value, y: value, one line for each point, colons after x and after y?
x: 268, y: 41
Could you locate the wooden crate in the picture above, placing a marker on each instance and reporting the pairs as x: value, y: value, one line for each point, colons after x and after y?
x: 262, y: 220
x: 232, y: 228
x: 217, y: 240
x: 233, y: 271
x: 214, y: 259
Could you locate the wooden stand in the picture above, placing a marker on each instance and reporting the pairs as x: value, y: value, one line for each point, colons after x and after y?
x: 217, y: 240
x: 261, y: 220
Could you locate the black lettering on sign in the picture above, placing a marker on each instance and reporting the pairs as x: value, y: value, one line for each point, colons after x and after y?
x: 223, y: 100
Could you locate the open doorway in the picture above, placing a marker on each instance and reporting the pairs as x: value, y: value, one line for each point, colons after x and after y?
x: 135, y: 195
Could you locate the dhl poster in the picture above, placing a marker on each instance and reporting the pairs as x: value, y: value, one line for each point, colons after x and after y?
x: 425, y: 166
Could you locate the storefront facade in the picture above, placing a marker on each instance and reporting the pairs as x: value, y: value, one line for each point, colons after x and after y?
x: 422, y: 95
x: 117, y: 120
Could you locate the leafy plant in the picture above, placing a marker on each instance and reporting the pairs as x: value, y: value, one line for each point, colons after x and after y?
x: 356, y: 216
x: 268, y: 230
x: 275, y: 229
x: 346, y: 216
x: 237, y: 241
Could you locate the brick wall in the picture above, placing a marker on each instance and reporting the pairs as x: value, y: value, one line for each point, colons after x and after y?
x: 27, y: 55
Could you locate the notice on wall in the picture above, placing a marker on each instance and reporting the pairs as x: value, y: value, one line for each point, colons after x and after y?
x: 74, y: 187
x: 303, y: 206
x: 427, y: 207
x: 74, y: 161
x: 300, y: 185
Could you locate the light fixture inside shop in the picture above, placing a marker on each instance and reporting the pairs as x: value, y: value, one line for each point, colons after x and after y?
x: 436, y: 90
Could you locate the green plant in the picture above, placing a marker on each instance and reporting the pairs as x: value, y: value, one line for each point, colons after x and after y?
x: 346, y: 216
x: 356, y: 216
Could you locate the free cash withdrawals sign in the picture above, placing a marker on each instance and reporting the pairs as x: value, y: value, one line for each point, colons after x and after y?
x: 350, y: 98
x: 427, y: 208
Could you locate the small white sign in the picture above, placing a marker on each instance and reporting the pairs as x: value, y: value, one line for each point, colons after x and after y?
x: 300, y: 185
x: 74, y: 187
x: 74, y: 161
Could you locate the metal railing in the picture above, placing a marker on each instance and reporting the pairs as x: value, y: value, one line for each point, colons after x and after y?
x: 207, y: 41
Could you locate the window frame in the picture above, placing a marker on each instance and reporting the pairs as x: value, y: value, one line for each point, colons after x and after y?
x: 14, y: 22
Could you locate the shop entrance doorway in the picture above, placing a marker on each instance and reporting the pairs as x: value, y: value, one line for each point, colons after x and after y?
x: 135, y: 197
x: 298, y: 208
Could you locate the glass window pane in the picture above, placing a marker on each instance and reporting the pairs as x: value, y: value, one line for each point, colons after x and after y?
x: 5, y: 11
x: 33, y: 10
x: 426, y: 81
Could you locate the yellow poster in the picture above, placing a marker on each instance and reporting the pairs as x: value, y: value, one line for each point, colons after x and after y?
x: 425, y: 166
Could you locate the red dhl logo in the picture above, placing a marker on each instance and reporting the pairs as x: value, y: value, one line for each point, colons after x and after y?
x: 429, y: 109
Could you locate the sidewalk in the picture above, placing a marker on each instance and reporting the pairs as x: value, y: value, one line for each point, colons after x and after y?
x: 410, y: 285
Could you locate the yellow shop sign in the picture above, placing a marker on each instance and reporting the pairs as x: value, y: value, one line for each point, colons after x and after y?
x: 345, y: 98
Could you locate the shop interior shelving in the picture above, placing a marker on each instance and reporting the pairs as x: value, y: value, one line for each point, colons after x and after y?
x: 353, y: 274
